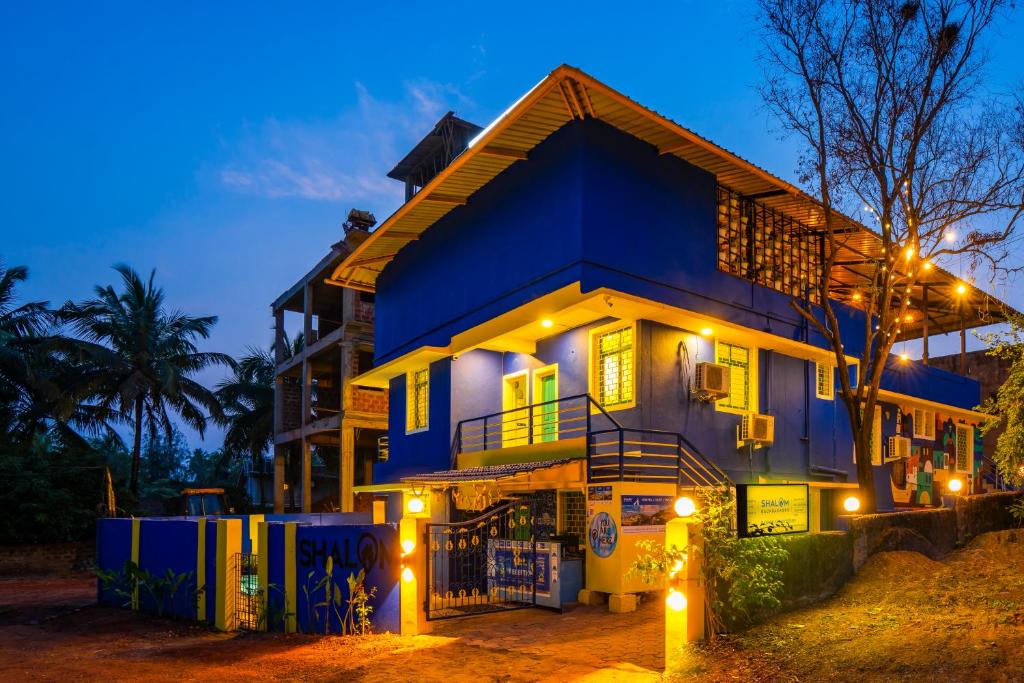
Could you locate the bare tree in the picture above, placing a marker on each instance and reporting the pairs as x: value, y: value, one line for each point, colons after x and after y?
x: 890, y: 103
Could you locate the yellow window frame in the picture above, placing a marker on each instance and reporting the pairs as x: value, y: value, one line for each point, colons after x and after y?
x: 752, y: 383
x: 417, y: 420
x: 594, y: 357
x: 825, y: 381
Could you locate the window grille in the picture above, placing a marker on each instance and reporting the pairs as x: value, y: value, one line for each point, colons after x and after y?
x: 738, y: 359
x: 417, y: 404
x: 615, y: 367
x: 924, y: 424
x: 825, y: 380
x: 764, y: 246
x: 964, y: 448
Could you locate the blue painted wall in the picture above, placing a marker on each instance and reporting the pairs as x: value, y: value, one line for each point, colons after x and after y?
x: 424, y: 451
x: 596, y: 206
x: 374, y: 548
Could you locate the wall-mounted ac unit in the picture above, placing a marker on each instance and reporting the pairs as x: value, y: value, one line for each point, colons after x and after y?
x: 711, y: 381
x: 758, y: 430
x: 899, y: 448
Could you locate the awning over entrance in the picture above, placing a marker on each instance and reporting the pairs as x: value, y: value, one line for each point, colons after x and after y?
x: 483, y: 474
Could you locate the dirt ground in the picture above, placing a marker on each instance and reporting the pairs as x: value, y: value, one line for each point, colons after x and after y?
x: 903, y: 618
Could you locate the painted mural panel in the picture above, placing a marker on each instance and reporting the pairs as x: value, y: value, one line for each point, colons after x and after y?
x: 940, y: 450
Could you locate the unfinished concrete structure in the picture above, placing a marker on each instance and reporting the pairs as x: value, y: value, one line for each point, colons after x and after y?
x: 326, y: 430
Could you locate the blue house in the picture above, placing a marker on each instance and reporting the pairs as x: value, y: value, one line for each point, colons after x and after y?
x: 588, y: 294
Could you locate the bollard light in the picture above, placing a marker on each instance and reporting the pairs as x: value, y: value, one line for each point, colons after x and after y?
x: 676, y: 601
x: 851, y: 504
x: 955, y: 485
x: 685, y: 506
x: 408, y: 545
x: 407, y: 575
x: 415, y: 505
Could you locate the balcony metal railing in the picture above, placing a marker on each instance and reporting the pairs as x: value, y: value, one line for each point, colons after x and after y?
x: 614, y: 452
x: 556, y: 420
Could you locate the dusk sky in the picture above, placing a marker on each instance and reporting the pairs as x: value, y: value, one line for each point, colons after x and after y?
x: 223, y: 143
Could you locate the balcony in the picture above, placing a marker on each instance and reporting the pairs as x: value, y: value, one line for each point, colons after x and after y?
x: 577, y: 427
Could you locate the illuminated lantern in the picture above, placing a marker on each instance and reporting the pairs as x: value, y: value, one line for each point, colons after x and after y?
x: 676, y: 601
x: 955, y: 485
x: 685, y: 506
x: 851, y: 504
x: 415, y: 505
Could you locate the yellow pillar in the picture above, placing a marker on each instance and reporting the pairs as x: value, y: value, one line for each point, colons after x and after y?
x: 229, y: 544
x: 684, y: 608
x: 136, y: 541
x: 263, y: 569
x: 412, y: 531
x: 290, y: 596
x: 201, y: 568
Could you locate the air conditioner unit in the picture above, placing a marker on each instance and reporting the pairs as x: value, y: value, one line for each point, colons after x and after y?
x: 711, y: 381
x: 899, y: 448
x: 382, y: 449
x: 758, y: 430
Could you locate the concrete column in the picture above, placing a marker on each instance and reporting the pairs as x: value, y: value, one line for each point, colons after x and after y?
x: 307, y: 313
x: 279, y: 342
x: 279, y: 470
x: 307, y: 476
x: 346, y: 468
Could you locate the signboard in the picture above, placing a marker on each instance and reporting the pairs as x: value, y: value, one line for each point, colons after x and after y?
x: 509, y: 565
x: 646, y: 514
x: 599, y: 493
x: 771, y: 509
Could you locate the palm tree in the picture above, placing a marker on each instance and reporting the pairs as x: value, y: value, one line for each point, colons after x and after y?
x: 44, y: 388
x: 248, y: 400
x: 146, y: 358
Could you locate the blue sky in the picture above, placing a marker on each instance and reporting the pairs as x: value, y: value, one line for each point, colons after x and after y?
x: 223, y: 143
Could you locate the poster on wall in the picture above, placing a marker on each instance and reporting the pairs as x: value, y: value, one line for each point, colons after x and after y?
x: 603, y: 535
x: 646, y: 514
x: 771, y: 509
x: 509, y: 563
x: 598, y: 497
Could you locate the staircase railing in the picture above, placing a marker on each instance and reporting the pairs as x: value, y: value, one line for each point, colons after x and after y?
x: 651, y: 456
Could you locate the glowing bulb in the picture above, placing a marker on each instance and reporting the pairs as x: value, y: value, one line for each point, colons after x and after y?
x: 908, y: 318
x: 685, y: 506
x: 676, y: 601
x: 851, y: 504
x: 547, y: 322
x: 927, y: 265
x: 904, y: 356
x: 909, y: 253
x: 961, y: 288
x: 706, y: 331
x: 955, y: 485
x: 407, y: 575
x: 415, y: 505
x: 857, y: 296
x: 408, y: 545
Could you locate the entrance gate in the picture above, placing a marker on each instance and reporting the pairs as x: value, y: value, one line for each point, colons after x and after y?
x: 485, y: 564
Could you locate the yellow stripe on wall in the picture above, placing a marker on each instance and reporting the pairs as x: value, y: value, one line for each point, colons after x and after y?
x: 254, y: 533
x: 201, y: 568
x: 136, y: 540
x: 263, y: 567
x: 289, y: 578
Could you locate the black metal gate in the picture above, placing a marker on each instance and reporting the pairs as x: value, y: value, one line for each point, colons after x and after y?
x: 485, y: 564
x: 248, y: 597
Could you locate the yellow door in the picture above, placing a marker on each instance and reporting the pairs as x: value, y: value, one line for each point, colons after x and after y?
x: 515, y: 427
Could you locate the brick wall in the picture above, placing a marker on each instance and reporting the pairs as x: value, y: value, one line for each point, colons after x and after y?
x: 53, y: 558
x: 291, y: 405
x: 369, y: 401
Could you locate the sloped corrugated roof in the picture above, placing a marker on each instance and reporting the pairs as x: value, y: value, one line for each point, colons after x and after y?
x: 490, y: 473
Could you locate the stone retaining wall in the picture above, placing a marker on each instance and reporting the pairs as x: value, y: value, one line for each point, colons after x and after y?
x: 52, y: 558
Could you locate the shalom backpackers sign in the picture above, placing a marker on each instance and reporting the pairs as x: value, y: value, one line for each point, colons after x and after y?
x: 770, y: 509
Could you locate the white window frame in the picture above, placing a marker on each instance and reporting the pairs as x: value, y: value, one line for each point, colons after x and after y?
x: 927, y: 419
x: 830, y: 375
x: 970, y: 448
